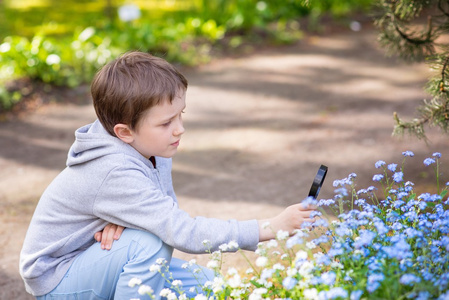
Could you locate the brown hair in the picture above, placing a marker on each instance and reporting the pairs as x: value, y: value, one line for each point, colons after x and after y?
x: 124, y: 89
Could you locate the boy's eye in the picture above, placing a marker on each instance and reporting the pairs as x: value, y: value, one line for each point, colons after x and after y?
x: 166, y: 124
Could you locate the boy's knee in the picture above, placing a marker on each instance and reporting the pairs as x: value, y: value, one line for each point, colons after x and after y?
x: 146, y: 243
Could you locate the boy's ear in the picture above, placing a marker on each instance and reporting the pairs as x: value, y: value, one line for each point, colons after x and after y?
x: 123, y: 132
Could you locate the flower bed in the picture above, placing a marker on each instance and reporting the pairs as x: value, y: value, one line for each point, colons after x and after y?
x: 390, y: 247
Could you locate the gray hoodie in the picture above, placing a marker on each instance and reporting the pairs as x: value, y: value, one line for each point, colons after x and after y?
x: 108, y: 181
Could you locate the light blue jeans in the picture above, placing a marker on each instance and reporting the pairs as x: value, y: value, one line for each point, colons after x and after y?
x: 103, y: 274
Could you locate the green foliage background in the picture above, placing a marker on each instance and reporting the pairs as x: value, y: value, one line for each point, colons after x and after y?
x: 64, y: 43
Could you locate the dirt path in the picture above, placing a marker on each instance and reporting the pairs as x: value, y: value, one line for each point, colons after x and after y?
x: 258, y: 127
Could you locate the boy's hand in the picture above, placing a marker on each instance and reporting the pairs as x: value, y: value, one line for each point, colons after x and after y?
x: 288, y: 220
x: 107, y: 236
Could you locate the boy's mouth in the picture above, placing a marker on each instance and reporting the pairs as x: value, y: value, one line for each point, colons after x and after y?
x: 175, y: 143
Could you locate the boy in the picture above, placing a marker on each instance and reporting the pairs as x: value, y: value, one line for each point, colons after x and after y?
x: 119, y: 171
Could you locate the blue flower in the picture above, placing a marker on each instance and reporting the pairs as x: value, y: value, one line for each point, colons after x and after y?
x: 398, y: 203
x: 399, y: 250
x: 289, y: 282
x: 365, y: 239
x: 374, y: 281
x: 267, y: 273
x: 294, y: 240
x: 422, y: 205
x: 408, y: 153
x: 379, y: 164
x: 436, y: 154
x: 359, y: 202
x: 321, y: 223
x: 380, y: 226
x: 378, y: 177
x: 396, y: 226
x: 364, y: 191
x: 392, y: 167
x: 324, y: 202
x: 423, y: 295
x: 323, y: 260
x: 371, y: 188
x: 328, y: 278
x: 355, y: 295
x: 309, y: 201
x: 343, y: 230
x: 409, y: 183
x: 342, y: 191
x: 428, y: 161
x: 402, y: 195
x: 333, y: 293
x: 397, y: 177
x: 314, y: 214
x: 409, y: 279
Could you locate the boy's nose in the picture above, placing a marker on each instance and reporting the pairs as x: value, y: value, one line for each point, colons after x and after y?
x: 179, y: 130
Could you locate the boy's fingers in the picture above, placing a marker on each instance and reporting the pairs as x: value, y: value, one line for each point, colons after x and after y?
x: 118, y: 232
x: 97, y: 236
x: 108, y: 236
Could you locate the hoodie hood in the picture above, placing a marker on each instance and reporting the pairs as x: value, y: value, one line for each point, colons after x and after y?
x: 92, y: 141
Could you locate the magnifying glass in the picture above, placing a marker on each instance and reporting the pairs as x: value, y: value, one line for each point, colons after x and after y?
x: 318, y: 181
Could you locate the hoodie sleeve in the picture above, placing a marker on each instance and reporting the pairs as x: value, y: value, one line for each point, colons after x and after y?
x: 136, y: 199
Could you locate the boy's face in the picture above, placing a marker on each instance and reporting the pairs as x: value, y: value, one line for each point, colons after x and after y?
x: 159, y: 132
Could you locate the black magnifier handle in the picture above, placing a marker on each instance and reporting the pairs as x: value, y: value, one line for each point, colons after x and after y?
x: 318, y: 182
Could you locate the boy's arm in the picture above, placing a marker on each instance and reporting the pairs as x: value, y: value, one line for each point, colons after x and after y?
x: 107, y: 236
x: 289, y: 219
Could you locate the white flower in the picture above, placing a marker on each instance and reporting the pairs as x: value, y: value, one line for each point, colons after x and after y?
x: 233, y: 245
x: 5, y: 47
x: 265, y: 225
x: 212, y: 264
x: 235, y: 281
x: 232, y: 271
x: 257, y: 294
x: 301, y: 255
x: 306, y: 268
x: 134, y: 281
x: 336, y: 264
x: 272, y: 244
x: 292, y: 272
x: 164, y: 292
x: 249, y: 271
x: 176, y: 282
x: 53, y: 59
x: 86, y: 34
x: 217, y: 285
x: 235, y: 293
x: 282, y: 235
x: 182, y: 297
x: 145, y: 290
x: 261, y: 261
x: 200, y: 297
x: 223, y: 247
x: 128, y: 12
x: 161, y: 261
x: 310, y: 245
x: 311, y: 294
x: 278, y: 267
x: 155, y: 268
